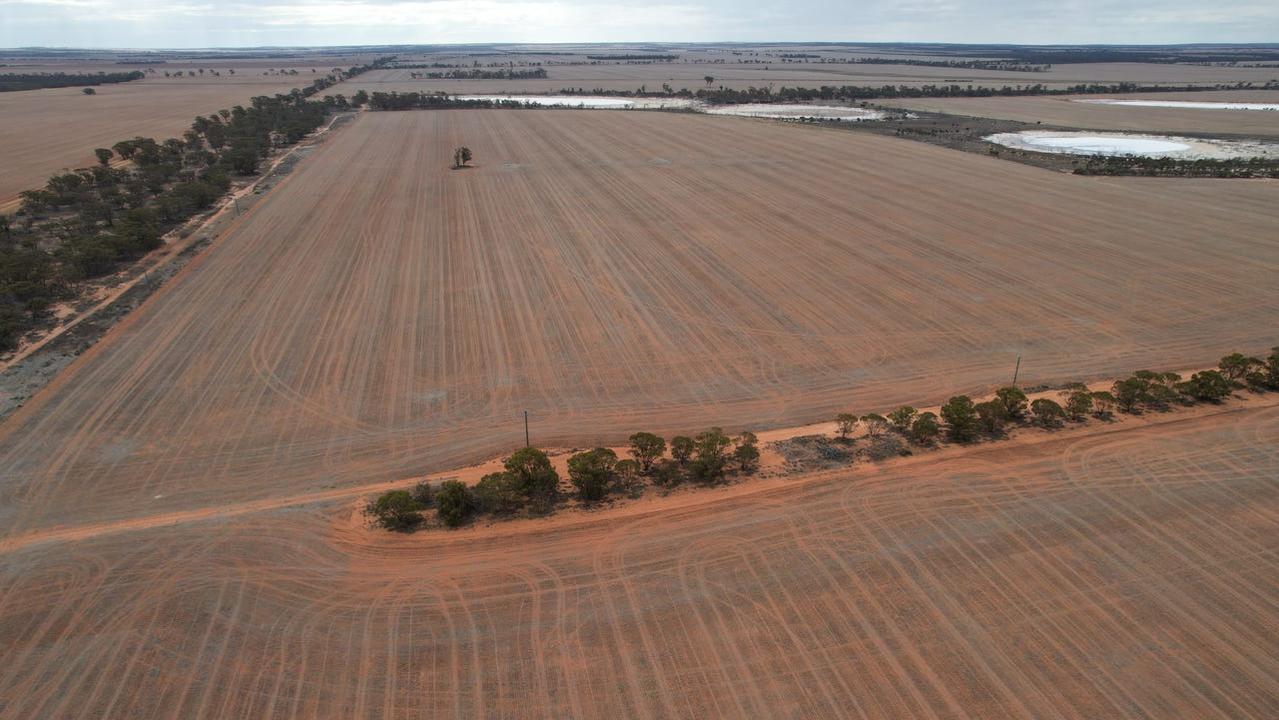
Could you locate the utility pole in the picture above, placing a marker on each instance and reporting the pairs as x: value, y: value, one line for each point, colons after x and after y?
x: 1017, y: 369
x: 526, y: 442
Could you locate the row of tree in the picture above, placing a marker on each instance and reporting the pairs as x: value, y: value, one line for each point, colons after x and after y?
x: 14, y: 82
x: 86, y: 224
x: 530, y: 484
x: 1253, y: 167
x: 849, y: 93
x: 481, y: 74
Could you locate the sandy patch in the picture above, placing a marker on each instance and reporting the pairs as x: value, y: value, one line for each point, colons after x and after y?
x: 1184, y: 104
x: 1165, y: 146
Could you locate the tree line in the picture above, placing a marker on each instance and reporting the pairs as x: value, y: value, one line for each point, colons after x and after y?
x: 536, y: 73
x: 528, y: 483
x: 1254, y: 167
x: 437, y: 101
x: 722, y: 95
x: 14, y: 82
x: 88, y: 223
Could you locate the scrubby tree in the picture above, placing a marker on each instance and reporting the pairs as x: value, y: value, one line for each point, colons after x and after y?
x: 667, y: 473
x: 875, y: 424
x: 104, y: 156
x: 746, y: 454
x: 925, y: 428
x: 961, y: 419
x: 646, y: 448
x: 1103, y: 402
x: 422, y: 494
x: 682, y: 449
x: 394, y: 510
x: 1236, y: 365
x: 1131, y: 393
x: 89, y: 91
x: 991, y: 416
x: 592, y: 473
x: 845, y: 423
x: 710, y: 455
x: 535, y: 476
x: 1013, y: 401
x: 710, y: 79
x: 1079, y: 403
x: 902, y: 417
x: 498, y: 493
x: 461, y: 156
x: 454, y: 503
x: 1208, y: 386
x: 1047, y: 412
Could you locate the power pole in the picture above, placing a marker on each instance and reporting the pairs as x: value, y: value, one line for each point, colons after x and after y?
x: 526, y: 442
x: 1017, y: 369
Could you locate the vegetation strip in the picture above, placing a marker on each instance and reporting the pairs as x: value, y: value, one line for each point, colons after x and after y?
x: 528, y: 485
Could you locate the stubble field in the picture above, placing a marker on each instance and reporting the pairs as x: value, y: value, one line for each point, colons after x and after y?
x: 1122, y: 574
x: 178, y: 535
x: 379, y: 315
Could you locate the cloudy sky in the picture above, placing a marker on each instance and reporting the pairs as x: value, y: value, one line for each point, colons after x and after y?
x: 218, y: 23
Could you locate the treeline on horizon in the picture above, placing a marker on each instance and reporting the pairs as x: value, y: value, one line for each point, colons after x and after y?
x: 15, y: 82
x: 722, y: 95
x: 528, y: 485
x: 88, y: 223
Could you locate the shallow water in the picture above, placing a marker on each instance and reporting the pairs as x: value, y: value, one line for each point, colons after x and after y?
x: 1166, y: 146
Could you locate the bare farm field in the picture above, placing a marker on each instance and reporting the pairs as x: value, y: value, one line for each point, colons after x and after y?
x: 1127, y: 573
x: 43, y: 132
x: 378, y: 316
x: 1066, y: 111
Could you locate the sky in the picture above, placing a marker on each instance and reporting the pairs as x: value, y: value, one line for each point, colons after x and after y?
x: 240, y: 23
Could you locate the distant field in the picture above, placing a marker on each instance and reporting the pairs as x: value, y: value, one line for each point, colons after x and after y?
x: 46, y: 131
x: 1125, y: 574
x: 1061, y: 110
x: 378, y: 315
x: 615, y: 76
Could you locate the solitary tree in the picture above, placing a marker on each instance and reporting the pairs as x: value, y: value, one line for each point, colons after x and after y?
x: 961, y: 418
x: 89, y: 91
x: 461, y: 157
x: 845, y: 422
x: 592, y: 473
x: 709, y: 80
x: 454, y: 503
x: 646, y: 448
x: 104, y: 156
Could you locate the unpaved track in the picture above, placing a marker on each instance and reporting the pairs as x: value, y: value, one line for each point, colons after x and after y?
x: 1122, y: 574
x: 379, y: 316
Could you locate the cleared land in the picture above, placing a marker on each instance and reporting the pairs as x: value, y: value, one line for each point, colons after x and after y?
x: 1125, y: 574
x: 1062, y: 111
x: 689, y: 75
x: 47, y: 131
x: 378, y: 315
